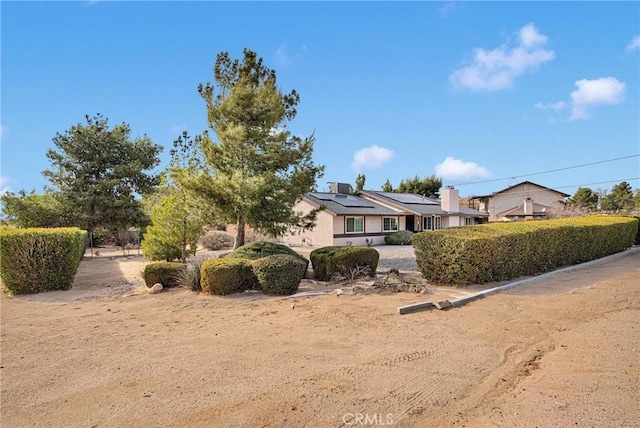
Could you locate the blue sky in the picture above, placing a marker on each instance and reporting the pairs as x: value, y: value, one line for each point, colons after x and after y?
x: 482, y: 94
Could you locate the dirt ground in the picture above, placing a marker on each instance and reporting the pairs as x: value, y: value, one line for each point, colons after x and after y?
x: 560, y: 351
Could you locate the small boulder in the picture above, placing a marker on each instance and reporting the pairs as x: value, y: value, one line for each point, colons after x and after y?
x: 157, y: 288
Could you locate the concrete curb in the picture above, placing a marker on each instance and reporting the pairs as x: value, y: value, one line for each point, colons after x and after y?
x: 460, y: 301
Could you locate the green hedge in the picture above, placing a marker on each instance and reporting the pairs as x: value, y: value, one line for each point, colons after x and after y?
x: 504, y: 251
x: 637, y: 240
x: 259, y: 249
x: 403, y: 237
x: 36, y: 260
x: 279, y: 274
x: 227, y: 275
x: 342, y: 259
x: 169, y: 274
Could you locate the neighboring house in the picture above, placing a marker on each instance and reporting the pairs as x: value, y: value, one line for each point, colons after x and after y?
x: 369, y: 216
x: 523, y: 201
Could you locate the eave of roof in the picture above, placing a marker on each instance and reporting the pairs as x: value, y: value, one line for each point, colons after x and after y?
x: 566, y: 195
x: 422, y: 209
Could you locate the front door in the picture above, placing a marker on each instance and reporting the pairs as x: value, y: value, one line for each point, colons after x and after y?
x: 410, y: 223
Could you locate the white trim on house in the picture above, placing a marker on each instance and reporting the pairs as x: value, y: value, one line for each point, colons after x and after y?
x: 372, y: 210
x: 354, y: 218
x: 393, y: 221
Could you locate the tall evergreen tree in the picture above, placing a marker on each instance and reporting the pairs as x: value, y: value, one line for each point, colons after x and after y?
x: 387, y: 187
x: 258, y: 170
x: 99, y: 172
x: 620, y: 198
x: 428, y: 186
x: 584, y: 198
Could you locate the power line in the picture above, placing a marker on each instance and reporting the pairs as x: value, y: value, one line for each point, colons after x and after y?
x: 599, y: 182
x: 549, y: 171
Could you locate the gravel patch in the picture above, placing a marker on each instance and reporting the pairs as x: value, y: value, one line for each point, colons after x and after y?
x: 400, y: 257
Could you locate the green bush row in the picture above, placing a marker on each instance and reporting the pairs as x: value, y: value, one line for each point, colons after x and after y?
x: 327, y: 261
x: 637, y: 240
x: 37, y: 259
x: 402, y: 237
x: 503, y: 251
x: 270, y: 267
x: 259, y: 249
x: 169, y: 274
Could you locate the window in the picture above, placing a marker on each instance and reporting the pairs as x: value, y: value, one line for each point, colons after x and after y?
x: 428, y: 225
x: 389, y: 224
x: 468, y: 221
x: 438, y: 221
x: 355, y: 225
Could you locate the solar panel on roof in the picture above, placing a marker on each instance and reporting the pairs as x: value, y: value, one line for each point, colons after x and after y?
x: 352, y: 201
x: 322, y: 196
x: 409, y: 198
x: 344, y: 200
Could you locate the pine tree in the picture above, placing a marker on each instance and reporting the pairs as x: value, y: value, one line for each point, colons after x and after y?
x: 256, y: 171
x: 100, y: 172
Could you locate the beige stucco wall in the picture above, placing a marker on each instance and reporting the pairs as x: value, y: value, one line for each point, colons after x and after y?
x: 372, y: 224
x: 452, y: 221
x: 328, y: 225
x: 320, y: 236
x: 515, y: 197
x: 359, y: 241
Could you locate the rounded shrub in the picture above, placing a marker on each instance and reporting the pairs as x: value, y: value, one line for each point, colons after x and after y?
x: 327, y: 261
x: 169, y: 274
x: 216, y: 240
x: 36, y: 260
x: 156, y: 247
x: 226, y: 276
x: 403, y: 237
x: 259, y: 249
x: 279, y: 274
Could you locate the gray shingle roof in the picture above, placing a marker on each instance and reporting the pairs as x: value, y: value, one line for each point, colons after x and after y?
x: 530, y: 183
x: 430, y: 206
x: 368, y: 207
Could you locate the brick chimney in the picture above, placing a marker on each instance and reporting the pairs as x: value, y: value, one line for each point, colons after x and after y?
x: 450, y: 201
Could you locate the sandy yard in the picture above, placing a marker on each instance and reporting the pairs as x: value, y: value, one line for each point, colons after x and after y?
x: 561, y: 351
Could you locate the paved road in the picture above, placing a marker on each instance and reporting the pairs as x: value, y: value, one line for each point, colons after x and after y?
x: 581, y: 277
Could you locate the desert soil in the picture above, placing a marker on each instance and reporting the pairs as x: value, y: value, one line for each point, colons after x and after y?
x: 560, y: 351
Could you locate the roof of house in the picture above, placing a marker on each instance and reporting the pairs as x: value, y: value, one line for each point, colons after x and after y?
x: 342, y: 204
x: 538, y: 210
x: 418, y: 204
x: 520, y: 184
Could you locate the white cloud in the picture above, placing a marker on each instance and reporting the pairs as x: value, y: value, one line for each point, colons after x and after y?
x: 590, y: 93
x: 371, y: 157
x: 634, y: 44
x: 497, y: 69
x: 458, y: 170
x: 446, y: 9
x: 5, y: 184
x: 285, y: 59
x: 550, y: 106
x: 4, y: 131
